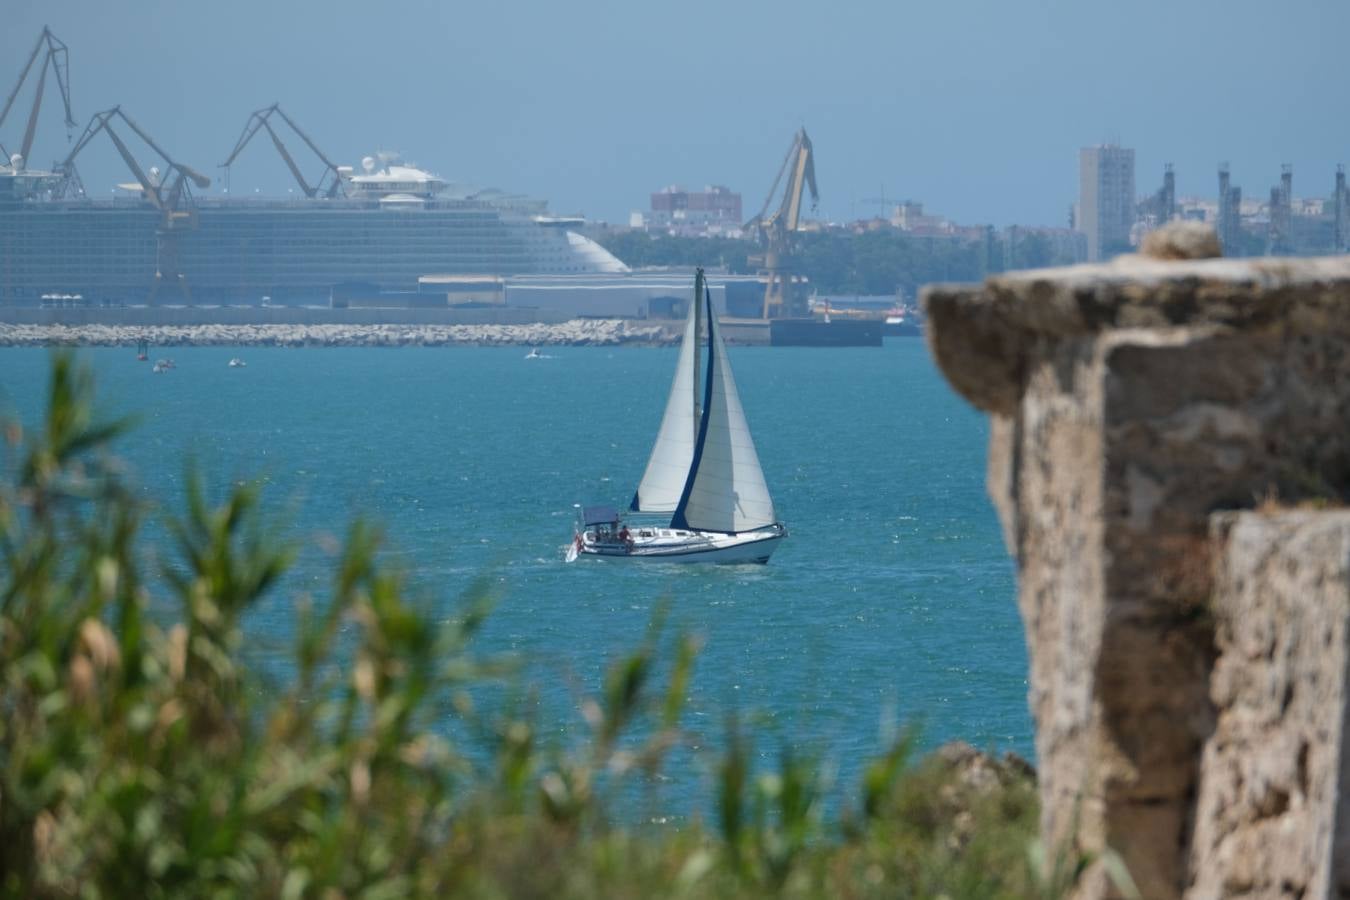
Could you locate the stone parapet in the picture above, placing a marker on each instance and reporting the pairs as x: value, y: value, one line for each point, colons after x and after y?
x: 1130, y: 401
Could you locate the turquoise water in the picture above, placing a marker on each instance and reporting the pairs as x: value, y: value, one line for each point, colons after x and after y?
x: 892, y: 599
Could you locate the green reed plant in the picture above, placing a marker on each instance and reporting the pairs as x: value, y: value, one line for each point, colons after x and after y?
x: 141, y: 756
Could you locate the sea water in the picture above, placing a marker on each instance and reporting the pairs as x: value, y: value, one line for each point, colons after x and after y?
x: 891, y: 601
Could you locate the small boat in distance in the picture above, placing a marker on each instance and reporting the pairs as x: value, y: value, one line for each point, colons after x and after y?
x: 703, y: 496
x: 142, y: 350
x: 237, y: 363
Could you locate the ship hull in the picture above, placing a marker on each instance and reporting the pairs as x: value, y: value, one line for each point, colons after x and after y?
x: 697, y: 546
x: 250, y: 252
x: 839, y: 332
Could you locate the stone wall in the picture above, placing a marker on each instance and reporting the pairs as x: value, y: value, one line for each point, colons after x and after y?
x: 1130, y: 403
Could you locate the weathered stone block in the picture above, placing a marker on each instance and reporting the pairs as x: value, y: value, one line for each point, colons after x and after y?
x: 1131, y: 401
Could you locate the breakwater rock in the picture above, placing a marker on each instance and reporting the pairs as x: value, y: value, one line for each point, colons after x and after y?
x: 1170, y: 461
x: 576, y: 332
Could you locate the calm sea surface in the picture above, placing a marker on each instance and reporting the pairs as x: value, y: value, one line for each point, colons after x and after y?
x: 891, y: 600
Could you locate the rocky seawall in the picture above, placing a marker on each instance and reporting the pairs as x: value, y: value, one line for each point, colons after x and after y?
x: 577, y: 332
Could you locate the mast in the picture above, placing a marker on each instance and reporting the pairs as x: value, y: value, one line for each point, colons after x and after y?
x: 698, y: 333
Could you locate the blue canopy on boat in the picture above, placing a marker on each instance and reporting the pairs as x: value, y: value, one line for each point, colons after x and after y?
x: 599, y: 515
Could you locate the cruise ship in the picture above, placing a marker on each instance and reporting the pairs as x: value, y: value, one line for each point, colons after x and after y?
x: 389, y: 225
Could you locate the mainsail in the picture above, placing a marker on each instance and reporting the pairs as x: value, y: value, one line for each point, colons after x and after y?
x: 725, y: 490
x: 673, y: 453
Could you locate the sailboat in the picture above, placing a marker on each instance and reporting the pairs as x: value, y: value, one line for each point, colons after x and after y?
x: 702, y: 497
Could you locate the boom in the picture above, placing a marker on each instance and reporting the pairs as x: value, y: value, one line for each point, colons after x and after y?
x: 800, y: 160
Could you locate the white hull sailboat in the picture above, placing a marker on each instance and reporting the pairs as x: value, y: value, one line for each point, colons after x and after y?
x: 703, y: 496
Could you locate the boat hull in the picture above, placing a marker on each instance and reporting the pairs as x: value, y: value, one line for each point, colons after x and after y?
x: 698, y: 547
x: 838, y: 332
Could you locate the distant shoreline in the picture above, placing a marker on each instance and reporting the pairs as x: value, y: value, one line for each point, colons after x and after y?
x: 575, y: 333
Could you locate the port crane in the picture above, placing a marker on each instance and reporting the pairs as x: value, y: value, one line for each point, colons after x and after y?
x: 168, y: 190
x: 57, y: 61
x: 775, y: 229
x: 329, y: 184
x: 17, y: 179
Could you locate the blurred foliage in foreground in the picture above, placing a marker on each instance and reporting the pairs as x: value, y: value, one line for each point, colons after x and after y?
x: 140, y: 757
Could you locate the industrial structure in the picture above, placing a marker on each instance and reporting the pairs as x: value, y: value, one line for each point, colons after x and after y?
x: 330, y: 182
x: 1106, y: 201
x: 775, y: 230
x: 1280, y: 229
x: 168, y: 191
x: 355, y: 233
x: 1277, y: 223
x: 371, y: 238
x: 16, y: 177
x: 1161, y: 207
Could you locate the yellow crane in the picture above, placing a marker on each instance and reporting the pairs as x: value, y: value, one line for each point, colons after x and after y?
x: 776, y: 229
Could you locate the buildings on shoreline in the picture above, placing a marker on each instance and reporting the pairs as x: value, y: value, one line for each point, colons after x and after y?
x: 1113, y: 219
x: 715, y: 210
x: 1106, y: 199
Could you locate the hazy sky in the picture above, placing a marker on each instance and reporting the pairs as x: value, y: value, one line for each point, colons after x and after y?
x: 975, y: 107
